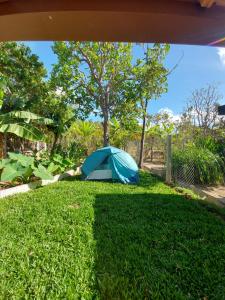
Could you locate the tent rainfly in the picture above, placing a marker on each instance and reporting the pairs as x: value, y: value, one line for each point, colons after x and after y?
x: 111, y: 164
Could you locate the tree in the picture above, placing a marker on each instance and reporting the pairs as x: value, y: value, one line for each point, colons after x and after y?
x: 150, y: 82
x: 21, y: 77
x: 22, y: 85
x: 94, y: 77
x: 202, y: 107
x: 60, y: 112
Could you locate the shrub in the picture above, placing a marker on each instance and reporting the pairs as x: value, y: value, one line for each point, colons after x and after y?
x: 56, y: 163
x: 62, y: 160
x: 214, y: 144
x: 19, y: 167
x: 208, y: 166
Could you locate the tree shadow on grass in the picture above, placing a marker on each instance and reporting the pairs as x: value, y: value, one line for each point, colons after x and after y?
x: 72, y: 178
x: 157, y: 246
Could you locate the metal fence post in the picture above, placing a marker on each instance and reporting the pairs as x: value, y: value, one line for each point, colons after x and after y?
x: 168, y: 159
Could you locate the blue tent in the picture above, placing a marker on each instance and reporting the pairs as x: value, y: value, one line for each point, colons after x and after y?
x: 110, y: 163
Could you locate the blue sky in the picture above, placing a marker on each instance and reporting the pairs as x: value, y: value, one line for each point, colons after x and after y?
x: 200, y: 65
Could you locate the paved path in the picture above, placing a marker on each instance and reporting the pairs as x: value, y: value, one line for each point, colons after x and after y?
x: 215, y: 194
x: 155, y: 168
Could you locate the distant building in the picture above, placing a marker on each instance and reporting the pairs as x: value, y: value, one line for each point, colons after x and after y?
x: 221, y: 110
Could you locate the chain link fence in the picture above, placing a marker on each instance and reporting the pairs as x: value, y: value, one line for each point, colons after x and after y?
x: 184, y: 174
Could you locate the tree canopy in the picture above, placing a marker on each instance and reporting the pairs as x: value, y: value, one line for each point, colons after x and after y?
x: 94, y: 76
x: 22, y: 77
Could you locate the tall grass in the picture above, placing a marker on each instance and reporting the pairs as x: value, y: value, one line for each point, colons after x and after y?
x: 208, y: 167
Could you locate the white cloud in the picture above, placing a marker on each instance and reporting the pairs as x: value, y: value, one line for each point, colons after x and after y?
x: 221, y: 53
x: 174, y: 117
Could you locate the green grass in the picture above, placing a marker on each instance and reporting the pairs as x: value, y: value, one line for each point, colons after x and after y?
x: 89, y: 240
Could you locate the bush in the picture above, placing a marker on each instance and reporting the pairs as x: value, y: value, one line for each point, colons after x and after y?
x: 214, y: 144
x: 56, y: 163
x: 208, y: 166
x: 19, y: 167
x: 62, y: 160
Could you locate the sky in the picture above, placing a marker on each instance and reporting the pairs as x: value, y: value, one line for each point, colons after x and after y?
x: 198, y: 66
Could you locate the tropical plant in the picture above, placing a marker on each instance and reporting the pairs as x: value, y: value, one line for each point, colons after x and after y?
x: 56, y: 163
x: 62, y: 159
x: 86, y: 134
x: 23, y: 124
x: 22, y: 168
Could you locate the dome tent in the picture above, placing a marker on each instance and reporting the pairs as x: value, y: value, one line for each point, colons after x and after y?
x: 110, y: 163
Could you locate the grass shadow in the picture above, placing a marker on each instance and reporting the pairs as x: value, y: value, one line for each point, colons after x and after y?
x: 157, y: 246
x: 72, y: 178
x: 146, y: 180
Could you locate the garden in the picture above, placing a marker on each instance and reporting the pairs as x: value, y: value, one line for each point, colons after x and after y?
x: 80, y: 239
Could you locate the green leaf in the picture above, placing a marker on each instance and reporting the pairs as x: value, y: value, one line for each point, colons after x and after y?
x: 53, y: 167
x: 28, y: 116
x: 27, y: 172
x: 26, y: 131
x: 4, y: 162
x: 11, y: 172
x: 23, y: 159
x: 43, y: 173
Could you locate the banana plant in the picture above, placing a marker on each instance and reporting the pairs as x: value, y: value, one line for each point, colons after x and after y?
x: 23, y: 124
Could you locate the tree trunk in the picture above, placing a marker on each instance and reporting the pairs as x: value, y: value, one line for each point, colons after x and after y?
x: 106, y: 130
x: 4, y: 149
x: 56, y: 137
x: 151, y: 151
x: 1, y: 145
x: 142, y: 141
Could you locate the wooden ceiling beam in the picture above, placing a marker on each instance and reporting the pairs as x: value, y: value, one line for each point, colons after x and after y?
x: 207, y: 3
x: 169, y: 21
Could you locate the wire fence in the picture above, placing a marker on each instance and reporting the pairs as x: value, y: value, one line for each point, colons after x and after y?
x: 158, y: 157
x: 184, y: 174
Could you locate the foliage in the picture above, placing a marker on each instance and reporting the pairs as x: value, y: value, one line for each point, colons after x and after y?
x: 87, y: 134
x: 56, y: 163
x: 22, y: 168
x: 123, y: 131
x: 22, y: 75
x: 150, y: 77
x: 94, y: 76
x: 208, y: 166
x: 21, y: 123
x: 91, y: 240
x: 55, y: 107
x: 160, y: 124
x: 62, y: 160
x: 213, y: 143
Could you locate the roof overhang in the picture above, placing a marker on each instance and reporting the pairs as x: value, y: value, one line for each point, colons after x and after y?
x: 200, y: 22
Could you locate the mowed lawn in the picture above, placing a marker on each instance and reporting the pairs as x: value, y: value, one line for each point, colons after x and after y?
x: 90, y: 240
